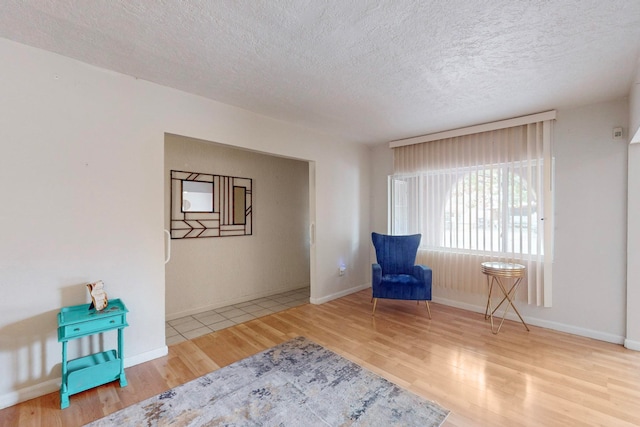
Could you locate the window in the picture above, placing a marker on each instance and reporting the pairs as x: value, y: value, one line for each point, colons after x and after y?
x: 478, y: 197
x: 483, y: 209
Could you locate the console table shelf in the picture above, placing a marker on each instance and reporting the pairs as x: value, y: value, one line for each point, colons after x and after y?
x: 95, y: 369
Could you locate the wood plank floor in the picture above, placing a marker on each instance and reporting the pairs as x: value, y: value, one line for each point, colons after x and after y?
x: 516, y: 378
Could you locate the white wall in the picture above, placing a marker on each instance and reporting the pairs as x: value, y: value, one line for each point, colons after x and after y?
x: 208, y: 273
x: 81, y: 167
x: 590, y: 237
x: 633, y: 220
x: 381, y: 168
x: 590, y: 245
x: 634, y: 104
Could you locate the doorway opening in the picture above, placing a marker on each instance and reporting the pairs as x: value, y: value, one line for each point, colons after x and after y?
x: 216, y: 282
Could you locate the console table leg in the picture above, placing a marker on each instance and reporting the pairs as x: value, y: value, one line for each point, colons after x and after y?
x: 64, y: 391
x: 64, y: 400
x: 123, y: 378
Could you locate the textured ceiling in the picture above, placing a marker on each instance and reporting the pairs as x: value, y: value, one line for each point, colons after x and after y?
x: 365, y: 71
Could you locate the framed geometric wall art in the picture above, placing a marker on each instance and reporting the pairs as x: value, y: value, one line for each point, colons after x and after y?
x: 207, y: 205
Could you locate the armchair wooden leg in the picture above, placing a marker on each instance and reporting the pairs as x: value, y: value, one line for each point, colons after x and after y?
x: 375, y: 301
x: 428, y: 309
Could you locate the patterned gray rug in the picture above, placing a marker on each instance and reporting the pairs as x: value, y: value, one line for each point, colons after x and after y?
x: 297, y: 383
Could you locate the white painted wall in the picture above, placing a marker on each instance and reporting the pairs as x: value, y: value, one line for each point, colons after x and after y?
x: 82, y: 185
x: 590, y: 242
x: 634, y: 104
x: 633, y: 220
x: 381, y: 168
x: 209, y: 273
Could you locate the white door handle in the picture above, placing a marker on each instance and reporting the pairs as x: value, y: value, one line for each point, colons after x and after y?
x: 166, y: 260
x: 312, y: 233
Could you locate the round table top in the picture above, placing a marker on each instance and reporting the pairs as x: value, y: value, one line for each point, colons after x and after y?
x: 505, y: 269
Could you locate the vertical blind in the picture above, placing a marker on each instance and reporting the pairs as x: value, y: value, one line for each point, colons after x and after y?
x: 479, y: 197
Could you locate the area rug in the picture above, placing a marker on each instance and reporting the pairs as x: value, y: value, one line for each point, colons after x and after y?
x: 297, y: 383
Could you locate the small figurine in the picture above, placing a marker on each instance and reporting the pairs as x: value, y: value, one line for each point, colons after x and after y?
x: 99, y: 299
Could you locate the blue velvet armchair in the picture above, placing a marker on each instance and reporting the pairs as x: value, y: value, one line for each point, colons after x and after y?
x: 396, y: 276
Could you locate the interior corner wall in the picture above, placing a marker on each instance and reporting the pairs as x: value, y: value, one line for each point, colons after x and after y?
x: 632, y: 340
x: 381, y: 168
x: 589, y: 271
x: 82, y: 167
x: 208, y: 273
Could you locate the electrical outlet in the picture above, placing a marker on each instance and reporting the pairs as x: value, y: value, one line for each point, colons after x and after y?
x: 341, y: 270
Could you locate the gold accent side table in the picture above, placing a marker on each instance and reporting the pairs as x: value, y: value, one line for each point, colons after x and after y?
x: 496, y: 272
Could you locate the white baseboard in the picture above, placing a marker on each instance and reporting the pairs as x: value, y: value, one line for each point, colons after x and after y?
x: 548, y: 324
x: 145, y: 357
x: 31, y: 392
x: 52, y: 385
x: 340, y: 294
x: 632, y: 345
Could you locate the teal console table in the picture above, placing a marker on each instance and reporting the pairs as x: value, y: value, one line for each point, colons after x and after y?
x: 95, y: 369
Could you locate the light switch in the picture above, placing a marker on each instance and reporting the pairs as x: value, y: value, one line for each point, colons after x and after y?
x: 617, y: 133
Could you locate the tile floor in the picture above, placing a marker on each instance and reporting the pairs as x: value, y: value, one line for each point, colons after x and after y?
x: 189, y: 327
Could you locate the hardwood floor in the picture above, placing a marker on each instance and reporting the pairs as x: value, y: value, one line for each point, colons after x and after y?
x: 516, y: 378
